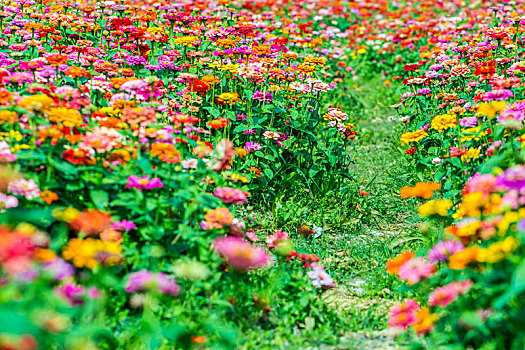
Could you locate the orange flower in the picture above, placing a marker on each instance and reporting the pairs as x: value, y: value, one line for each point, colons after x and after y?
x: 256, y: 171
x: 75, y: 72
x: 241, y: 152
x: 218, y: 217
x: 111, y: 235
x: 165, y: 152
x: 42, y: 254
x: 425, y: 321
x: 218, y: 123
x: 461, y: 259
x: 421, y: 189
x: 393, y: 265
x: 48, y: 196
x: 56, y: 59
x: 91, y: 222
x: 198, y: 339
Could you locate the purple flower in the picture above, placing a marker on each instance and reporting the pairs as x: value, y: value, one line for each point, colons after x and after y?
x: 516, y: 111
x: 511, y: 179
x: 144, y: 280
x: 263, y: 97
x: 252, y: 146
x: 442, y: 250
x: 59, y: 269
x: 319, y: 277
x: 143, y: 183
x: 75, y: 294
x: 468, y: 122
x: 498, y: 95
x: 124, y: 225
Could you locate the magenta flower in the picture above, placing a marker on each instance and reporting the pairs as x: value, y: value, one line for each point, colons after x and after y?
x: 144, y: 280
x: 230, y: 195
x: 143, y: 183
x: 124, y: 225
x: 442, y: 250
x: 415, y: 269
x: 75, y: 294
x: 241, y: 255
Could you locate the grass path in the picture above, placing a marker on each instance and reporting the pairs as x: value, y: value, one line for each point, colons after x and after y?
x: 366, y: 292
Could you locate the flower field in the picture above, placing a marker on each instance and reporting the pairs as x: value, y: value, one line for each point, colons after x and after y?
x: 211, y: 174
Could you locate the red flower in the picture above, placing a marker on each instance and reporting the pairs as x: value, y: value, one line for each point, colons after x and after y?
x: 411, y: 151
x: 198, y: 86
x: 77, y: 157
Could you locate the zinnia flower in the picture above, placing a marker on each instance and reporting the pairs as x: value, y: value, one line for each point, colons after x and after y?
x: 241, y: 255
x: 143, y: 183
x: 415, y: 269
x: 230, y: 195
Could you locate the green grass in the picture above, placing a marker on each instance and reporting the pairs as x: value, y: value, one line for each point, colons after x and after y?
x: 357, y: 239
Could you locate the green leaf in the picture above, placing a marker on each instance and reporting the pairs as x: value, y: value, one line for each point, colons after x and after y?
x: 100, y: 198
x: 268, y: 172
x: 517, y: 285
x: 64, y: 167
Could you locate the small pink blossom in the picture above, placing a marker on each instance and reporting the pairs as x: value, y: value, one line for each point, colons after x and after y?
x: 26, y: 188
x: 230, y: 195
x: 414, y: 269
x: 277, y: 238
x: 241, y: 255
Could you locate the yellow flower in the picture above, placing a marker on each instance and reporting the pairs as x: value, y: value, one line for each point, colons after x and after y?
x: 66, y: 116
x: 12, y: 135
x: 461, y: 259
x: 228, y: 97
x: 238, y: 177
x: 435, y: 207
x: 36, y: 103
x: 508, y: 219
x: 232, y: 68
x: 472, y: 133
x: 67, y: 214
x: 415, y: 136
x: 90, y: 252
x: 110, y: 111
x: 444, y: 122
x: 468, y: 230
x: 498, y: 251
x: 472, y: 153
x: 490, y: 109
x: 186, y: 40
x: 156, y: 30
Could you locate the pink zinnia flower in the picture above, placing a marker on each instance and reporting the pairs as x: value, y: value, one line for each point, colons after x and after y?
x: 7, y: 202
x: 230, y: 195
x: 403, y: 315
x: 277, y: 238
x: 143, y: 183
x: 443, y: 296
x: 414, y: 269
x: 241, y: 255
x: 26, y: 188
